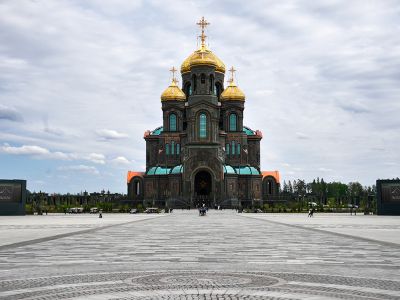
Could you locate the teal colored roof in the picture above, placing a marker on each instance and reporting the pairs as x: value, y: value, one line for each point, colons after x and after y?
x: 158, y: 171
x: 248, y: 131
x: 229, y: 170
x: 177, y: 169
x: 165, y: 171
x: 246, y: 170
x: 157, y: 131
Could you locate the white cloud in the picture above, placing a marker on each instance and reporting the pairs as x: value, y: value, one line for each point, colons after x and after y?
x: 322, y: 169
x: 43, y: 153
x: 9, y: 113
x: 81, y: 169
x: 109, y: 134
x: 97, y: 158
x: 302, y: 136
x: 35, y: 151
x: 121, y: 160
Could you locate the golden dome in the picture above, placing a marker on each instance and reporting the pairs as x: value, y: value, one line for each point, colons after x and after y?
x: 173, y: 93
x: 232, y: 93
x: 202, y: 56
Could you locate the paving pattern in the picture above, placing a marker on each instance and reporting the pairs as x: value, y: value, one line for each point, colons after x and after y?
x: 184, y: 256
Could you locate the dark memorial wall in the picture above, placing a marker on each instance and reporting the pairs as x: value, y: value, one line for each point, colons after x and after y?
x: 388, y: 197
x: 12, y: 197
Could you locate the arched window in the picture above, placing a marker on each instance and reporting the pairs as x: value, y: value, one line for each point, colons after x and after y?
x: 178, y: 149
x: 167, y: 149
x: 269, y: 187
x: 218, y: 89
x: 212, y: 84
x: 194, y: 79
x: 173, y: 148
x: 172, y: 122
x: 203, y: 78
x: 232, y: 122
x: 203, y: 125
x: 238, y: 149
x: 233, y: 149
x: 227, y: 149
x: 188, y: 89
x: 137, y: 188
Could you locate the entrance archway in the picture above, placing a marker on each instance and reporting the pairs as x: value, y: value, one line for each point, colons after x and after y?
x: 203, y: 188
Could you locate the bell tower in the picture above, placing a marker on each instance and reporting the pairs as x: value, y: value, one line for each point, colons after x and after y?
x: 203, y: 153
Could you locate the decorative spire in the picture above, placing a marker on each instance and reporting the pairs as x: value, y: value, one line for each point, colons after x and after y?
x: 173, y: 70
x: 203, y: 24
x: 232, y: 70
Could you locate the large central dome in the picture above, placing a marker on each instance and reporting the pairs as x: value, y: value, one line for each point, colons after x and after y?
x: 202, y: 56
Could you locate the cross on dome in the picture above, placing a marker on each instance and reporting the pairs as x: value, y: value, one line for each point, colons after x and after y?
x: 173, y: 70
x: 232, y: 70
x: 174, y: 80
x: 203, y: 24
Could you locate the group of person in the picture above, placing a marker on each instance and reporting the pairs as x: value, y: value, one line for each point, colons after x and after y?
x: 203, y: 210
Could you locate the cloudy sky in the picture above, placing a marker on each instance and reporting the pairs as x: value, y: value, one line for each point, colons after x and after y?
x: 80, y: 81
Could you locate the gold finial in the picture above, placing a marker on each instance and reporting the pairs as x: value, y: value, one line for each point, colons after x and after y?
x: 173, y: 70
x: 232, y: 70
x: 203, y: 24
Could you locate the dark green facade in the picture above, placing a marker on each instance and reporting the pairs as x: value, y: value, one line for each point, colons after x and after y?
x: 12, y: 197
x: 202, y: 153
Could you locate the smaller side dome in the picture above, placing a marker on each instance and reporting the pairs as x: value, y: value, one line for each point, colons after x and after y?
x: 173, y: 93
x: 232, y: 92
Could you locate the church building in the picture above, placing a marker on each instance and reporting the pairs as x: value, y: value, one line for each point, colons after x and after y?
x: 202, y: 153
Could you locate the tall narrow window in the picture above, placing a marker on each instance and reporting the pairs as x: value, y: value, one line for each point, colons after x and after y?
x: 232, y: 122
x: 172, y: 122
x: 233, y: 148
x: 178, y: 149
x: 188, y: 89
x: 238, y: 149
x: 211, y: 84
x: 203, y: 78
x: 203, y: 125
x: 137, y: 188
x: 167, y: 149
x: 218, y: 89
x: 269, y: 187
x: 227, y: 149
x: 172, y: 148
x: 194, y: 78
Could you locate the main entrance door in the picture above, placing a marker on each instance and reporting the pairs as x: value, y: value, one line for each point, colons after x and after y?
x: 203, y: 188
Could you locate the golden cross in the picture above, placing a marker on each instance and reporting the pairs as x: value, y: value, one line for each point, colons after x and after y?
x: 173, y: 70
x: 232, y: 70
x: 203, y: 24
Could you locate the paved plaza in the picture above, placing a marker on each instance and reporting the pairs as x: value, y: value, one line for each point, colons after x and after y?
x: 223, y: 255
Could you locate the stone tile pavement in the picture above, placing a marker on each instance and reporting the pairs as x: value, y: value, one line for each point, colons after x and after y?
x: 223, y: 255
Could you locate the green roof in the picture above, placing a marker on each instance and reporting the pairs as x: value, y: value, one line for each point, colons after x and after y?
x: 177, y: 169
x: 158, y: 171
x: 229, y: 170
x: 246, y: 170
x: 157, y: 131
x: 248, y: 131
x: 165, y: 171
x: 242, y: 170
